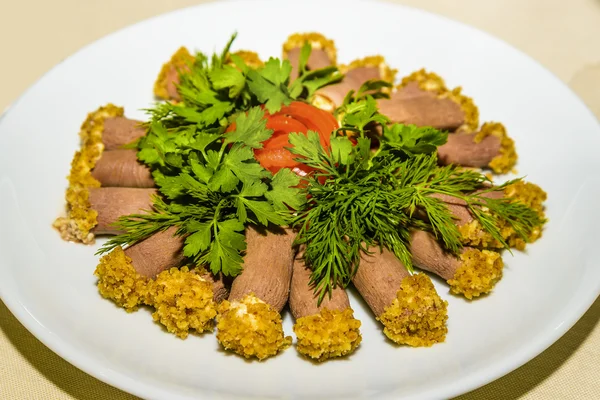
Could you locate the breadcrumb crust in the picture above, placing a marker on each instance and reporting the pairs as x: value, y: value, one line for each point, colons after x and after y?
x: 118, y: 281
x: 528, y: 193
x: 328, y: 334
x: 479, y: 272
x: 506, y: 160
x: 432, y: 82
x: 251, y: 58
x: 316, y: 40
x: 183, y: 301
x: 387, y: 73
x: 417, y: 316
x: 251, y: 328
x: 81, y: 219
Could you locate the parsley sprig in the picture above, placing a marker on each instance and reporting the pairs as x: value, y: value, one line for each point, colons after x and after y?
x: 212, y: 187
x: 210, y: 182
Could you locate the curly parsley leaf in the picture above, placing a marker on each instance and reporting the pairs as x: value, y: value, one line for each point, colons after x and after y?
x: 411, y: 139
x: 251, y: 129
x: 269, y: 84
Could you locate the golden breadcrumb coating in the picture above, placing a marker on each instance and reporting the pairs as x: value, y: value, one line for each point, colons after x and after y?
x: 328, y: 334
x: 183, y: 301
x: 251, y: 328
x: 181, y: 60
x: 478, y: 273
x: 251, y: 58
x: 386, y: 73
x: 432, y: 82
x: 81, y: 219
x: 417, y: 316
x: 316, y: 40
x: 324, y: 103
x: 118, y: 281
x: 534, y: 197
x: 531, y: 195
x: 506, y: 160
x: 428, y: 81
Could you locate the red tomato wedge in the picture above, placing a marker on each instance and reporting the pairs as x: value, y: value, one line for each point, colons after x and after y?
x: 297, y: 117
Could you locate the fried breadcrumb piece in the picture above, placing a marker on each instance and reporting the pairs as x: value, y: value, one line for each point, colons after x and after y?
x: 251, y: 328
x: 118, y: 281
x: 81, y: 219
x: 251, y: 58
x: 529, y: 194
x: 179, y: 62
x: 387, y: 73
x: 328, y: 334
x: 534, y: 197
x: 183, y: 301
x: 478, y: 273
x: 432, y: 82
x: 506, y: 160
x: 315, y: 39
x: 417, y: 316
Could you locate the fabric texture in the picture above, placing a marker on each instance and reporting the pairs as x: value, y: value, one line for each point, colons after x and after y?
x: 567, y: 370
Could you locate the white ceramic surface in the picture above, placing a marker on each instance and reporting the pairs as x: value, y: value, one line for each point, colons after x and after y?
x: 48, y: 284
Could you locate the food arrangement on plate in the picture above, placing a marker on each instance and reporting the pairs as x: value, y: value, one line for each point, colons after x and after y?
x: 255, y: 185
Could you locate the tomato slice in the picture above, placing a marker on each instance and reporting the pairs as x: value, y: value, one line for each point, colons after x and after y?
x: 313, y: 118
x: 282, y: 126
x: 297, y: 117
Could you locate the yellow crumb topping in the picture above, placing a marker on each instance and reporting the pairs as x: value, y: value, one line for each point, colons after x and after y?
x: 432, y: 82
x: 473, y: 234
x: 118, y: 281
x: 429, y: 81
x: 80, y: 217
x: 251, y: 58
x: 183, y: 301
x: 251, y: 328
x: 527, y: 193
x: 328, y: 334
x: 478, y: 273
x: 386, y: 73
x: 316, y: 40
x: 417, y: 316
x: 180, y: 60
x: 506, y: 160
x: 323, y: 102
x: 534, y: 197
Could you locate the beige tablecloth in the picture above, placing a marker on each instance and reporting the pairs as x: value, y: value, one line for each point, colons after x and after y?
x: 563, y: 35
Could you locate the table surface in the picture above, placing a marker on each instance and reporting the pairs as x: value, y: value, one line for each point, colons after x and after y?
x: 563, y: 36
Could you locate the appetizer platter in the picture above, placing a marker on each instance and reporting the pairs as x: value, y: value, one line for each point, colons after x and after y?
x: 311, y: 201
x: 260, y: 184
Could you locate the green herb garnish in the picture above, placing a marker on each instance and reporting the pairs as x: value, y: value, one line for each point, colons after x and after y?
x: 360, y: 195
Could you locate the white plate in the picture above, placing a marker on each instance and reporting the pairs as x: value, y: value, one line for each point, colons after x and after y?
x: 48, y: 284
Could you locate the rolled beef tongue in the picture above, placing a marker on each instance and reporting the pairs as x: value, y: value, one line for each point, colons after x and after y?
x: 408, y: 306
x: 360, y: 75
x: 113, y: 202
x: 471, y: 273
x: 121, y: 168
x: 462, y: 149
x: 267, y: 269
x: 410, y: 91
x: 423, y: 111
x: 303, y: 301
x: 119, y: 131
x: 159, y: 252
